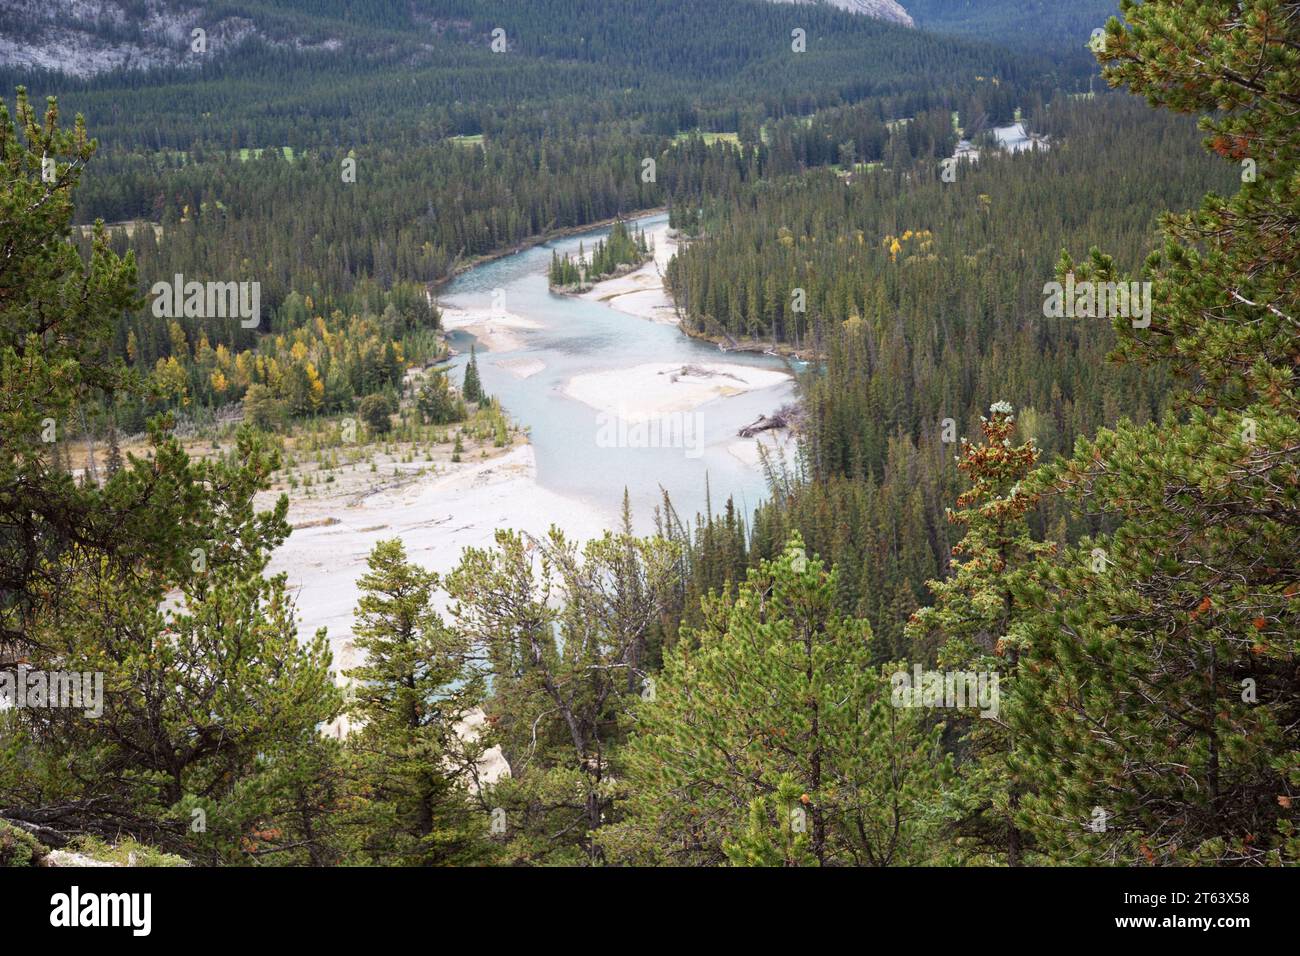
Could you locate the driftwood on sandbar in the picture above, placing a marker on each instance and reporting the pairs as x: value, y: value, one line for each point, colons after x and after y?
x: 762, y: 424
x: 787, y: 416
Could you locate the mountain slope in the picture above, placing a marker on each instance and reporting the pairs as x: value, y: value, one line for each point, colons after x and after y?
x: 87, y: 37
x: 888, y: 10
x: 1059, y: 25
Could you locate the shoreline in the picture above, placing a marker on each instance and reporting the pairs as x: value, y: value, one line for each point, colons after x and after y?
x: 436, y: 513
x: 727, y: 343
x: 532, y: 241
x: 623, y: 269
x: 643, y: 292
x: 640, y: 291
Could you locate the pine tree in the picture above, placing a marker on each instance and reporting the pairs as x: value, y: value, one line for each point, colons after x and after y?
x: 376, y: 411
x: 1159, y: 698
x: 771, y: 738
x: 209, y: 699
x: 55, y: 323
x: 114, y: 462
x: 563, y: 630
x: 436, y: 402
x: 411, y: 764
x: 969, y: 626
x: 153, y: 579
x: 472, y: 389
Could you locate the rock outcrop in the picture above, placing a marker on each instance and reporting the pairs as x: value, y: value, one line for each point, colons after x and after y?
x: 888, y: 10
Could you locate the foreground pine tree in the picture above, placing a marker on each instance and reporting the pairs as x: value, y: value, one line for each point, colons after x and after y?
x: 153, y: 578
x: 970, y: 625
x: 566, y: 633
x: 1159, y: 702
x: 771, y: 739
x: 209, y: 696
x: 412, y: 765
x: 57, y: 315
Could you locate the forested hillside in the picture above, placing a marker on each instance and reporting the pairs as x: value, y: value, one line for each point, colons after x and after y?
x: 415, y: 73
x: 1022, y: 24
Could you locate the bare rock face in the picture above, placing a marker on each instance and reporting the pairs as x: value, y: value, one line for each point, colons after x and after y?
x: 888, y: 10
x: 85, y: 37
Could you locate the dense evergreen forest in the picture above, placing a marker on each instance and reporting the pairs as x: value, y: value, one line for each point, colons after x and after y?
x: 1094, y: 520
x: 416, y: 73
x: 918, y: 296
x: 414, y: 148
x: 358, y: 232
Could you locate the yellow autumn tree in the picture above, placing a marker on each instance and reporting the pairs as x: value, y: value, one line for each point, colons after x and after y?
x: 172, y: 380
x: 316, y: 388
x: 180, y: 345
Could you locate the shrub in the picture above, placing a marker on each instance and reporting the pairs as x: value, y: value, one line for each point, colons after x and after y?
x: 19, y: 848
x: 376, y: 411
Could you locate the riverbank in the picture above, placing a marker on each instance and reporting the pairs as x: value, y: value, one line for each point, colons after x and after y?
x: 641, y: 291
x: 496, y: 330
x: 460, y: 268
x: 437, y: 512
x: 728, y: 343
